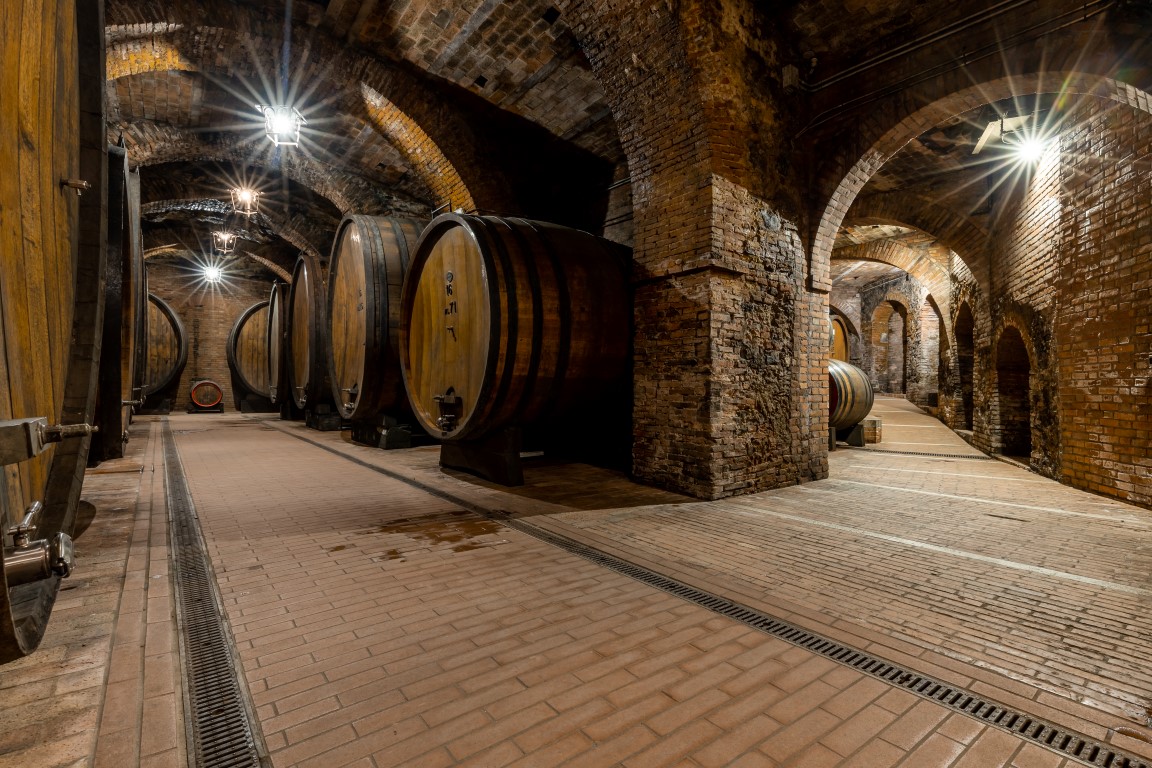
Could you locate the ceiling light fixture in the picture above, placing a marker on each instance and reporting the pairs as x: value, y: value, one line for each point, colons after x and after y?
x: 245, y: 201
x: 224, y: 242
x: 282, y: 124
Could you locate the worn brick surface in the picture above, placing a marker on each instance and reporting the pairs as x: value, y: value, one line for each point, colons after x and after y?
x: 509, y: 651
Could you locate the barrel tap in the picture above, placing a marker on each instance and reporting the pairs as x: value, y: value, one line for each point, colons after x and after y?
x: 27, y: 560
x: 449, y: 404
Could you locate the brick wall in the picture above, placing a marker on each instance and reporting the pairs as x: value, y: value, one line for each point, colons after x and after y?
x: 1061, y: 348
x: 208, y: 315
x: 1103, y: 341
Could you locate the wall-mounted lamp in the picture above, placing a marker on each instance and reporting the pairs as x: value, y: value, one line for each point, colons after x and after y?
x: 224, y: 242
x: 1022, y: 133
x: 213, y: 274
x: 245, y: 201
x: 282, y: 124
x: 1028, y: 145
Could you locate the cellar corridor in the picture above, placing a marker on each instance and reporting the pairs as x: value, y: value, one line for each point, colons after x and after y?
x: 385, y: 611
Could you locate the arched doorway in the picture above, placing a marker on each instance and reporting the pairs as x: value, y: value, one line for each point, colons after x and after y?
x: 1013, y: 370
x: 965, y: 355
x: 930, y: 348
x: 889, y: 348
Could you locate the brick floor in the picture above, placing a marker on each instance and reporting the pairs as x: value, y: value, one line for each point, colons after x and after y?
x: 378, y: 624
x: 103, y: 688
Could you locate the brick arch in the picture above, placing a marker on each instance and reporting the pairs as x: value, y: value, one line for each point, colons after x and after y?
x: 934, y: 278
x: 958, y: 233
x: 1020, y: 325
x: 911, y: 331
x: 418, y: 149
x: 1045, y: 428
x: 154, y: 144
x: 855, y: 339
x: 268, y: 263
x: 944, y: 321
x: 283, y: 228
x: 232, y: 42
x: 890, y: 125
x: 852, y: 329
x: 998, y: 419
x: 646, y: 76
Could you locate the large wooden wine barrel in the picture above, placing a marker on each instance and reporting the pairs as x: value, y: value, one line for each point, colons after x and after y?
x: 52, y: 273
x: 307, y: 344
x: 850, y: 395
x: 248, y: 349
x: 167, y: 346
x: 365, y: 275
x: 124, y: 312
x: 505, y: 322
x: 278, y: 344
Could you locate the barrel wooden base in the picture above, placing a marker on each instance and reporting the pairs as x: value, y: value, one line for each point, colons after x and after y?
x: 386, y: 434
x: 323, y: 419
x: 289, y: 411
x: 251, y: 403
x: 495, y: 458
x: 853, y: 435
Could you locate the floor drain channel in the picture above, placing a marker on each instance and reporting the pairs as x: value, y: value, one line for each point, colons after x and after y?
x: 1027, y: 727
x: 924, y: 453
x: 221, y: 734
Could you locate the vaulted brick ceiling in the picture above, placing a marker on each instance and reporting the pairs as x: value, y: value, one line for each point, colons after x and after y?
x: 184, y: 78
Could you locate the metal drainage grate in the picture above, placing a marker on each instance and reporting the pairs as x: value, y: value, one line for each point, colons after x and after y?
x: 924, y: 453
x: 221, y: 734
x: 1034, y: 729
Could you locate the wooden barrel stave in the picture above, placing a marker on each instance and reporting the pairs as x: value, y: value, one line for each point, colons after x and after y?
x: 850, y: 395
x: 167, y: 347
x: 540, y: 323
x: 248, y: 349
x: 370, y: 257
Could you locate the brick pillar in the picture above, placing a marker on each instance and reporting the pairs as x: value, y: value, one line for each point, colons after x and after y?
x: 730, y: 386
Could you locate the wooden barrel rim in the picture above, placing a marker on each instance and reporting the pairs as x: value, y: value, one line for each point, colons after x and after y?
x: 381, y: 356
x: 233, y: 340
x: 277, y: 377
x: 432, y: 232
x: 315, y: 389
x: 114, y: 387
x: 847, y: 405
x: 182, y: 339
